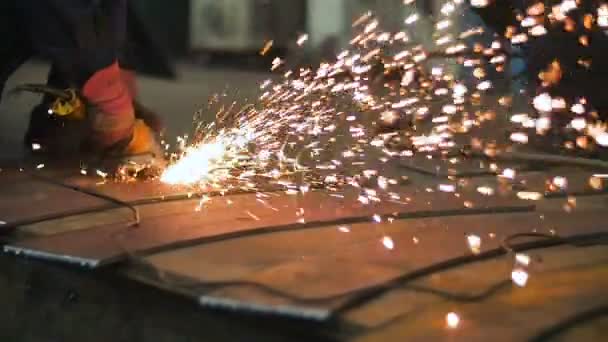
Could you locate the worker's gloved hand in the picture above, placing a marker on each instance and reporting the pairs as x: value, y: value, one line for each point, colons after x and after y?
x: 143, y: 141
x: 141, y: 112
x: 149, y: 117
x: 115, y: 131
x: 141, y: 156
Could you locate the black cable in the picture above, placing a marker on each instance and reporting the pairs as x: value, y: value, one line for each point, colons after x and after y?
x: 455, y: 297
x: 465, y: 298
x: 359, y: 297
x: 211, y: 286
x: 171, y: 280
x: 567, y: 324
x: 546, y: 158
x: 462, y: 298
x: 506, y: 243
x: 337, y: 222
x: 116, y: 201
x: 367, y: 295
x: 11, y: 226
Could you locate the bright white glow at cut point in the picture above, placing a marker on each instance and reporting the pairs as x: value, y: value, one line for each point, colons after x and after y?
x: 196, y: 164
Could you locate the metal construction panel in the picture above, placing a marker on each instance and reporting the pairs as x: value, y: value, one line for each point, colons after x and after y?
x: 135, y: 191
x: 172, y: 224
x: 24, y: 198
x: 568, y: 282
x: 41, y: 193
x: 305, y: 274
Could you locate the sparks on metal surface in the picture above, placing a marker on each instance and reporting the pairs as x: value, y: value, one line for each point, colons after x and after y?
x: 384, y: 80
x: 391, y: 97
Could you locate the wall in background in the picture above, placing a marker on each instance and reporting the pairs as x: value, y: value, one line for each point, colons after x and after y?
x: 167, y: 22
x: 327, y: 19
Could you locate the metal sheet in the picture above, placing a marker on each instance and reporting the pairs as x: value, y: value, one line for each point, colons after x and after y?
x: 318, y: 269
x: 64, y: 178
x: 23, y: 198
x: 69, y: 173
x: 570, y: 281
x: 138, y: 192
x: 175, y: 224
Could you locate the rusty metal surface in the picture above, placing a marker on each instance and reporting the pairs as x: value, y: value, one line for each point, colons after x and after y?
x: 291, y: 256
x: 170, y: 224
x: 566, y: 282
x: 23, y: 197
x: 70, y: 174
x: 33, y: 198
x: 315, y: 270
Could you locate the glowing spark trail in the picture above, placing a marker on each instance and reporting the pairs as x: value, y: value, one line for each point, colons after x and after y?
x: 391, y: 97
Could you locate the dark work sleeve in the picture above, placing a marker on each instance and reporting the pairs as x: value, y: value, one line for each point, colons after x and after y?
x: 80, y: 37
x: 15, y: 48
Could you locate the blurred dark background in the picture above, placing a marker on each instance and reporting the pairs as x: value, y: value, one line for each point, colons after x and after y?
x: 190, y: 50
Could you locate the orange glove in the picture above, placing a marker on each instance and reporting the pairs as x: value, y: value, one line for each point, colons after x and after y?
x: 143, y: 141
x: 114, y: 126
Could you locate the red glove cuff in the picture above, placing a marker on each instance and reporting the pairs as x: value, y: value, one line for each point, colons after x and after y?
x: 113, y: 118
x: 108, y: 92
